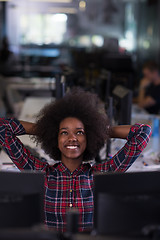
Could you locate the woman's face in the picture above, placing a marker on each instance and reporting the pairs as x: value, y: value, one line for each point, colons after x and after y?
x: 71, y: 139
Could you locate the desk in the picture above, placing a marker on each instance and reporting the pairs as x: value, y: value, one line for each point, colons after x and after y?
x: 17, y: 88
x: 37, y: 234
x: 90, y: 237
x: 32, y: 106
x: 149, y: 159
x: 31, y: 84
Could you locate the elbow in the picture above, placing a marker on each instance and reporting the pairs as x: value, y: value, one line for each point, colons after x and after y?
x: 144, y: 137
x: 146, y: 134
x: 148, y: 130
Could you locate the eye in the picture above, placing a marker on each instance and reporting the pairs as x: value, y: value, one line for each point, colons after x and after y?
x: 80, y: 133
x: 64, y: 133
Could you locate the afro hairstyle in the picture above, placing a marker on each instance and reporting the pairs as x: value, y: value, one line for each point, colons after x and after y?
x: 79, y: 104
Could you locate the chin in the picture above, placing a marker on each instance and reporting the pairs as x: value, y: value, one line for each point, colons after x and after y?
x: 73, y: 156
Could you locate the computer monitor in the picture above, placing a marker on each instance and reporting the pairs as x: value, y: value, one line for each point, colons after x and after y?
x: 21, y: 199
x: 126, y: 204
x: 123, y: 104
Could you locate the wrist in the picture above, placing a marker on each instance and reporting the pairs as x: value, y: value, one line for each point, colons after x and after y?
x: 121, y: 131
x: 29, y: 127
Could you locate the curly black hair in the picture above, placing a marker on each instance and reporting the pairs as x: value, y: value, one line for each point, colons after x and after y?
x: 151, y: 65
x: 82, y: 105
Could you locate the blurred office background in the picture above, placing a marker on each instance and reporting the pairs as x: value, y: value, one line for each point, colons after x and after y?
x: 82, y: 38
x: 79, y: 34
x: 95, y: 44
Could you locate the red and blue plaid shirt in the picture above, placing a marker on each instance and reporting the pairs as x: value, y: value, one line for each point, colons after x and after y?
x: 64, y: 190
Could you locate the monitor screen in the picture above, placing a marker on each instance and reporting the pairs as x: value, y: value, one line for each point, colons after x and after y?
x: 21, y: 199
x: 123, y: 105
x: 126, y: 203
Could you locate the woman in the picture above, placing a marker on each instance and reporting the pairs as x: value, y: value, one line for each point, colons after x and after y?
x: 72, y: 130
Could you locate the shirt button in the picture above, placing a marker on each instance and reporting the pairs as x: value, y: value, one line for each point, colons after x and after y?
x: 70, y: 205
x: 71, y: 191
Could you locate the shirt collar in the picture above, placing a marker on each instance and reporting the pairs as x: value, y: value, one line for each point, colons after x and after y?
x: 82, y: 168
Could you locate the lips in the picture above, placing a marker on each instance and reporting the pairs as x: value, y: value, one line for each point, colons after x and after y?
x: 72, y: 147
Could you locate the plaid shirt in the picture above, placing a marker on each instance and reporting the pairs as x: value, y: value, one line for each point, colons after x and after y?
x: 64, y: 190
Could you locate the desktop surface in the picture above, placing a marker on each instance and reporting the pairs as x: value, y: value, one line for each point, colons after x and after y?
x: 97, y: 237
x: 39, y: 234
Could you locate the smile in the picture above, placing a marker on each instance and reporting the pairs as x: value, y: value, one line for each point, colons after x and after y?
x: 72, y: 147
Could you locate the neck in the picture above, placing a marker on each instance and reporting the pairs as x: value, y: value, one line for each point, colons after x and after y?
x: 72, y: 164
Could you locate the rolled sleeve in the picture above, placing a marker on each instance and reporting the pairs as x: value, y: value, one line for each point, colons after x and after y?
x: 10, y: 127
x: 21, y: 156
x: 137, y: 140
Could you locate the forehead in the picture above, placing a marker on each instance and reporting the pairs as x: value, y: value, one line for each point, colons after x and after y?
x: 71, y: 122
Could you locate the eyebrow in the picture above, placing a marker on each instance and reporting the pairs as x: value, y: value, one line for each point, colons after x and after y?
x: 68, y: 128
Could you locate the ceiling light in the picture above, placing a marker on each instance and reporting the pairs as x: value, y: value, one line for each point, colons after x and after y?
x: 82, y: 5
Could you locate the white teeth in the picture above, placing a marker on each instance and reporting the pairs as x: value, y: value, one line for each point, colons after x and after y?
x: 71, y: 147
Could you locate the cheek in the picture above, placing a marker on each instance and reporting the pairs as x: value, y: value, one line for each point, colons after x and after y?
x: 84, y: 142
x: 60, y: 142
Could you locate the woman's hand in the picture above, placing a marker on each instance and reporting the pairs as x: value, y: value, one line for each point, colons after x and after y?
x: 121, y: 131
x: 29, y: 127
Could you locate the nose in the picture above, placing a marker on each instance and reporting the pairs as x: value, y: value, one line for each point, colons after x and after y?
x: 72, y: 137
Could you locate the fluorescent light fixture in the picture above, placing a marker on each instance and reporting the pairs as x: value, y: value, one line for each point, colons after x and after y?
x: 53, y: 1
x: 59, y: 17
x: 63, y: 10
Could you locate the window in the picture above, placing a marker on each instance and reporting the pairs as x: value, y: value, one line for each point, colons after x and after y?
x: 43, y: 28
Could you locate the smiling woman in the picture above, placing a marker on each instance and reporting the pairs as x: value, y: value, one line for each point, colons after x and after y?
x: 72, y: 130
